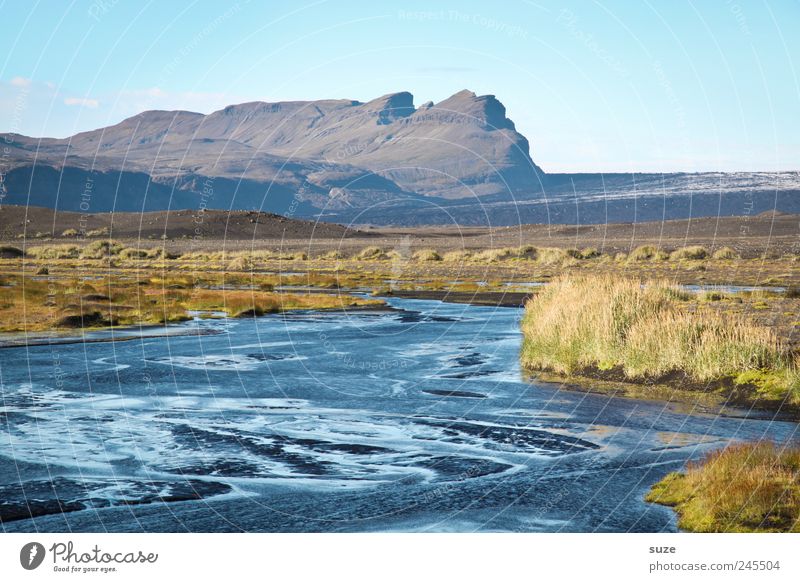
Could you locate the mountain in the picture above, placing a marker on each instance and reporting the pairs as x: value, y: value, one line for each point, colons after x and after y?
x: 384, y: 161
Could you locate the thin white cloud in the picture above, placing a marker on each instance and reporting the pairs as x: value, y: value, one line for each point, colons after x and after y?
x: 20, y: 82
x: 82, y: 102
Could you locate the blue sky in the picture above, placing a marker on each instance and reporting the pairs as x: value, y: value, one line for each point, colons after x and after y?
x: 595, y: 86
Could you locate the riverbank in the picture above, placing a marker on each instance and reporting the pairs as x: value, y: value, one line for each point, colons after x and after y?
x: 749, y: 487
x: 488, y: 298
x: 656, y: 334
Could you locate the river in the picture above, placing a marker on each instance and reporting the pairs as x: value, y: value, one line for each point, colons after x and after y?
x: 416, y: 419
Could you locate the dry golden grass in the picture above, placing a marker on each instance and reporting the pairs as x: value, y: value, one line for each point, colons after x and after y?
x: 456, y: 256
x: 752, y: 487
x: 690, y: 253
x: 65, y: 251
x: 725, y: 253
x: 426, y: 255
x: 648, y: 253
x: 28, y: 304
x: 648, y: 332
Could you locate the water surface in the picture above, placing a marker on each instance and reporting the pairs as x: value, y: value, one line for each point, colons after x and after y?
x: 412, y: 420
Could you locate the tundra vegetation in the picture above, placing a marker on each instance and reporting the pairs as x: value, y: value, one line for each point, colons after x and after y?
x: 746, y: 487
x: 604, y: 325
x: 30, y: 303
x: 653, y: 332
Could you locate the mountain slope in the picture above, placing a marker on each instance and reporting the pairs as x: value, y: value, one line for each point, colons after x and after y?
x: 384, y: 161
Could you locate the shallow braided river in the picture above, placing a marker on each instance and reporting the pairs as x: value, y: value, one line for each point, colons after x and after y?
x: 416, y: 419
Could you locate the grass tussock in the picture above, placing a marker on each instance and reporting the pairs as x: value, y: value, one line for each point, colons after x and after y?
x: 101, y: 249
x: 372, y: 254
x: 644, y: 253
x: 552, y: 256
x: 97, y: 232
x: 494, y: 255
x: 457, y: 256
x: 51, y: 252
x: 331, y: 256
x: 690, y: 253
x: 751, y: 487
x: 426, y: 255
x: 647, y: 332
x: 724, y: 254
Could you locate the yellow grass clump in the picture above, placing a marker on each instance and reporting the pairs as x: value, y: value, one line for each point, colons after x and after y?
x: 427, y: 255
x: 647, y: 253
x: 748, y: 487
x: 457, y: 256
x: 577, y: 324
x: 690, y: 253
x: 101, y: 249
x: 494, y: 255
x: 372, y: 254
x: 725, y: 253
x: 55, y: 252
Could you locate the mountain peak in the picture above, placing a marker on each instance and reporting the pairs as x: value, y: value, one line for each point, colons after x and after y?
x: 392, y: 106
x: 463, y: 94
x: 484, y: 108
